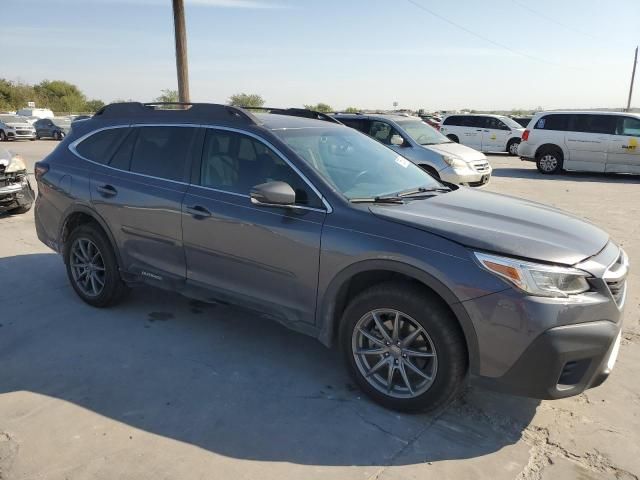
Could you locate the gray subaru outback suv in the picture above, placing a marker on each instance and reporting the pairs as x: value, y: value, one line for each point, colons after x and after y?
x: 331, y: 233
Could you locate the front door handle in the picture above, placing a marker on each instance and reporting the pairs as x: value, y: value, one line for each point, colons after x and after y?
x: 107, y: 191
x: 198, y: 211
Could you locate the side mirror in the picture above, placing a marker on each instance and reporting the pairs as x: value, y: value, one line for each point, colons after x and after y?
x: 273, y: 194
x: 397, y: 140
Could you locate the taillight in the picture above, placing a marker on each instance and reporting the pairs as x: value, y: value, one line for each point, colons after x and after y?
x: 525, y: 135
x: 40, y: 169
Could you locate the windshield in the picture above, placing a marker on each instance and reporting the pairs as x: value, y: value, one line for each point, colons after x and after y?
x: 510, y: 122
x: 61, y: 121
x: 422, y: 133
x: 356, y: 165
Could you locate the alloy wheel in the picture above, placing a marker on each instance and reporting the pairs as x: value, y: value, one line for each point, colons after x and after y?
x: 513, y: 148
x: 394, y: 353
x: 548, y: 162
x: 87, y: 267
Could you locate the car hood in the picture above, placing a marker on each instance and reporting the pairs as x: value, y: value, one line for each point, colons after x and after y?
x: 498, y: 223
x: 455, y: 149
x: 19, y: 125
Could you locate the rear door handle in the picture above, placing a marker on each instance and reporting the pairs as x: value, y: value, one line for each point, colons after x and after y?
x: 107, y: 191
x: 198, y: 211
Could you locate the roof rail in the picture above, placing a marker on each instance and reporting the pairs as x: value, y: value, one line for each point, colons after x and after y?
x: 349, y: 113
x: 297, y: 112
x: 180, y: 110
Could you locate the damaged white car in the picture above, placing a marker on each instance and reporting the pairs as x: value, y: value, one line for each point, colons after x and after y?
x: 16, y: 194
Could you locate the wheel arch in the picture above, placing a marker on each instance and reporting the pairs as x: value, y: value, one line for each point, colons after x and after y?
x: 359, y: 276
x: 550, y: 146
x: 82, y: 215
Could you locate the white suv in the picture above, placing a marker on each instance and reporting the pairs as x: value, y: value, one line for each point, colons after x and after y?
x: 487, y: 133
x: 584, y: 141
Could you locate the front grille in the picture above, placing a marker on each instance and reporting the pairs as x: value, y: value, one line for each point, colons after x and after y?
x: 24, y: 132
x: 616, y: 278
x: 480, y: 167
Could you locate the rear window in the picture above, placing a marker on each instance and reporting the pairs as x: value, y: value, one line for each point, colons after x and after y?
x: 558, y: 122
x: 100, y: 146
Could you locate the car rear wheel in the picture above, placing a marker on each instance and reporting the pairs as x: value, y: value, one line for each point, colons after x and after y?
x: 92, y: 267
x: 549, y: 161
x: 513, y: 145
x: 3, y: 136
x: 403, y: 347
x: 57, y: 136
x: 453, y: 138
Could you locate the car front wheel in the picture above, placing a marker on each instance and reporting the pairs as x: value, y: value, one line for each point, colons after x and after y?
x: 512, y: 148
x: 549, y: 161
x: 403, y: 347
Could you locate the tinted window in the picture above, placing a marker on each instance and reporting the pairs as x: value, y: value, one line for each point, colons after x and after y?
x: 628, y: 126
x: 382, y: 132
x: 472, y: 121
x: 359, y: 124
x: 162, y: 151
x: 455, y: 120
x: 593, y: 123
x: 495, y: 123
x: 122, y: 158
x: 557, y: 122
x: 234, y: 162
x: 99, y: 146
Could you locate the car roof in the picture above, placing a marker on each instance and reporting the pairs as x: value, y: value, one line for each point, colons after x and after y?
x: 588, y: 112
x: 274, y: 121
x: 384, y: 116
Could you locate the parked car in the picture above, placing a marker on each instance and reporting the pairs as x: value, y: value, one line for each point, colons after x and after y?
x: 15, y: 127
x: 522, y: 121
x: 334, y: 235
x: 16, y: 194
x: 424, y: 146
x: 56, y: 128
x: 487, y: 133
x: 35, y: 112
x: 583, y: 141
x: 432, y: 121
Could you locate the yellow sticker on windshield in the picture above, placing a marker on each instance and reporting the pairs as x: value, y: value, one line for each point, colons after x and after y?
x: 402, y: 161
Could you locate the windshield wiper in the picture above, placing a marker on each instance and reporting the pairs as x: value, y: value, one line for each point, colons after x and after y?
x: 379, y: 199
x: 421, y: 191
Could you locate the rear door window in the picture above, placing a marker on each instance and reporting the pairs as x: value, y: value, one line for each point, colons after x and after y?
x: 100, y: 146
x: 359, y: 124
x: 162, y: 151
x: 558, y: 122
x: 603, y: 124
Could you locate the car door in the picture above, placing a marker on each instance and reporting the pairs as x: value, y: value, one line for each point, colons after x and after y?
x: 624, y: 147
x: 139, y: 194
x: 48, y: 128
x: 471, y: 131
x: 265, y: 258
x: 588, y: 141
x: 494, y: 135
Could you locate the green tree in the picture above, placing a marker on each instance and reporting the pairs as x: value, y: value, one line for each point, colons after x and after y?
x: 246, y: 100
x: 93, y: 105
x: 320, y: 107
x: 60, y: 96
x: 352, y: 110
x: 168, y: 96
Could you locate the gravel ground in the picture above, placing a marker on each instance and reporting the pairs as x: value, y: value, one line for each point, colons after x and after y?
x: 162, y: 387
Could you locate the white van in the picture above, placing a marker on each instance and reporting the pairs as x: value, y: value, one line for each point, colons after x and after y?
x: 487, y: 133
x: 584, y: 141
x: 35, y: 112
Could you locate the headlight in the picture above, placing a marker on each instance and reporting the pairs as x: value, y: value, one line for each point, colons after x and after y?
x: 15, y: 165
x: 454, y: 162
x: 535, y: 278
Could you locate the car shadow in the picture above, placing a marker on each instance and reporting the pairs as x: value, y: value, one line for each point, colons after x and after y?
x: 223, y: 379
x: 533, y: 174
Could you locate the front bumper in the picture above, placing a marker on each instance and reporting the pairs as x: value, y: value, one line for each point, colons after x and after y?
x: 16, y: 194
x: 562, y: 362
x: 21, y: 134
x: 467, y: 176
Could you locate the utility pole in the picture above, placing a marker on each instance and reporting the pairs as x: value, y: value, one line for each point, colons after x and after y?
x: 633, y: 76
x: 181, y: 50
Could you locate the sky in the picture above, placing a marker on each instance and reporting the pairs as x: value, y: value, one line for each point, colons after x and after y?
x: 436, y: 55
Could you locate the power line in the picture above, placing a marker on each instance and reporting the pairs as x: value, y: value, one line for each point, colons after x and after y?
x: 551, y: 19
x: 480, y: 36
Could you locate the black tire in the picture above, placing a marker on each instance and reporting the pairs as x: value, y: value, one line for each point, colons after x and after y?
x: 446, y: 336
x: 3, y: 136
x: 37, y: 137
x: 549, y: 160
x: 453, y: 138
x: 114, y: 288
x: 56, y: 136
x: 20, y: 210
x: 513, y: 145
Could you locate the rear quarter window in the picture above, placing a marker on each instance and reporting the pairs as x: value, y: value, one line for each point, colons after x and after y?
x: 100, y: 146
x: 557, y: 122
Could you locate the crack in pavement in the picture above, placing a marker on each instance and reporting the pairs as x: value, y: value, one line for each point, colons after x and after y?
x: 543, y: 450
